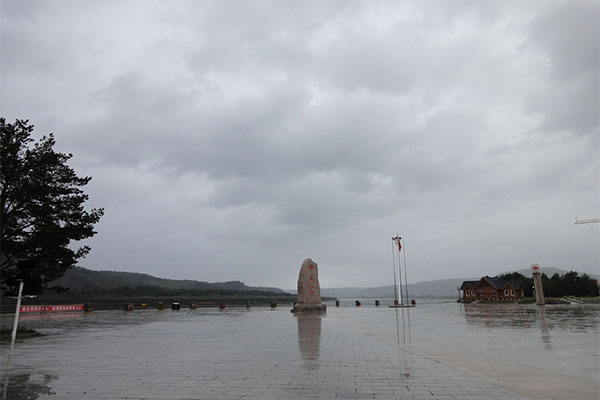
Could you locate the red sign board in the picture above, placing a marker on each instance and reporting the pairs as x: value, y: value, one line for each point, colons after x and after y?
x: 62, y: 308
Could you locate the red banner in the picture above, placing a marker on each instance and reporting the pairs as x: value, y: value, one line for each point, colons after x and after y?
x: 62, y: 308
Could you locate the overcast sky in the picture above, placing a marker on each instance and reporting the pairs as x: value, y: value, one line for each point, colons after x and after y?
x: 229, y: 140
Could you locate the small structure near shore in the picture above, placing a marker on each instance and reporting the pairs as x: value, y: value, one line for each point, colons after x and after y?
x: 493, y: 289
x: 309, y: 290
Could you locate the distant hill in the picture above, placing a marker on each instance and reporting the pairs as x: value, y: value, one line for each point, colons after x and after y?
x: 81, y: 278
x: 443, y: 288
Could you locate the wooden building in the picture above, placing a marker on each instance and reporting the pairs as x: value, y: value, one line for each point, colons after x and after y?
x: 493, y: 289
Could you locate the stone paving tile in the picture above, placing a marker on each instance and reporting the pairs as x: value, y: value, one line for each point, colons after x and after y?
x: 232, y: 356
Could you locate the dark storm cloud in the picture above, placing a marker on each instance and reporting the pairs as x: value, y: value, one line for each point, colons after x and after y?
x: 232, y: 140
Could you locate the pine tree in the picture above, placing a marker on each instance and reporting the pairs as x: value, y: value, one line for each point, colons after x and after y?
x: 41, y: 209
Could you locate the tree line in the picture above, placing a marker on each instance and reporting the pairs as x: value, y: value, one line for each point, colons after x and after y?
x: 568, y: 284
x: 155, y: 291
x: 151, y: 295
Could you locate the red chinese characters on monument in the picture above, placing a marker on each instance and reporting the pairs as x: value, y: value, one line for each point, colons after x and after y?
x: 308, y: 283
x: 311, y: 280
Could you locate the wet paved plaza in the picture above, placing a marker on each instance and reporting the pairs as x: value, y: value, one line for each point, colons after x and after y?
x: 240, y: 354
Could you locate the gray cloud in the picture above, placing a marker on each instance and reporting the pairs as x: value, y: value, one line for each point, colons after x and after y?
x: 230, y: 141
x: 568, y: 37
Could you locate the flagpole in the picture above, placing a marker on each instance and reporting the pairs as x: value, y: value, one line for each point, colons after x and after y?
x: 399, y: 268
x: 394, y: 271
x: 405, y: 278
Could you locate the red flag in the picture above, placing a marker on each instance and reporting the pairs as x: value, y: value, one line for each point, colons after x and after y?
x: 399, y: 245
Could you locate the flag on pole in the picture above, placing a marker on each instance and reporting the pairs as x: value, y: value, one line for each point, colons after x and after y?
x: 399, y: 245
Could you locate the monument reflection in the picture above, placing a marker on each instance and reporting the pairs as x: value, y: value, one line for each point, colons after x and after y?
x: 309, y: 338
x: 544, y: 327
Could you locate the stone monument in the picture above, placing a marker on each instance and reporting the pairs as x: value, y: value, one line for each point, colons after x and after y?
x: 309, y: 291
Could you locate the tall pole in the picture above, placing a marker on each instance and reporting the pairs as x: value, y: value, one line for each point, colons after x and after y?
x: 16, y: 323
x: 394, y: 271
x: 397, y: 241
x: 405, y: 278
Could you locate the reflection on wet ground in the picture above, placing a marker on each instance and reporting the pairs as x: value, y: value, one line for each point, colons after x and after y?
x: 574, y: 329
x: 519, y: 316
x: 544, y: 328
x: 515, y: 316
x: 46, y: 316
x: 564, y: 338
x: 24, y: 386
x: 309, y: 337
x: 262, y: 353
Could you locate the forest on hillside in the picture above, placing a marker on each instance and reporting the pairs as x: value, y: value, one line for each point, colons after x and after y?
x: 82, y: 278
